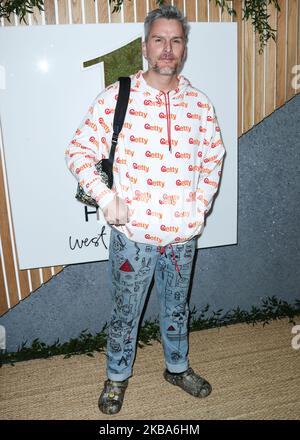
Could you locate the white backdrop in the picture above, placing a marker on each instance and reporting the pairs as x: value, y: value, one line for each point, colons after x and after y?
x: 45, y: 93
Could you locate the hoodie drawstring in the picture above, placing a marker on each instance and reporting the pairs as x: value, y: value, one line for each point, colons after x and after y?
x: 162, y: 250
x: 168, y: 111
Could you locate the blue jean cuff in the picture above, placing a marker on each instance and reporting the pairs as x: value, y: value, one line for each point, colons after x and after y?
x: 177, y: 368
x: 118, y: 377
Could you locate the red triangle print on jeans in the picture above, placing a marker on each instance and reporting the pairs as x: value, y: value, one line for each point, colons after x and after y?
x: 126, y: 267
x: 171, y: 328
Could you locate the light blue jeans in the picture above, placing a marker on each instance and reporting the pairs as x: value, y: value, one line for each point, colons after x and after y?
x: 131, y: 269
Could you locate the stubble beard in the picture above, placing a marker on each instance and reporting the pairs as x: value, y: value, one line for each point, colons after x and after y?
x: 166, y: 71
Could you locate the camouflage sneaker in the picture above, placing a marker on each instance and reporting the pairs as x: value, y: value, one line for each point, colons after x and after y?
x: 112, y: 396
x: 190, y: 382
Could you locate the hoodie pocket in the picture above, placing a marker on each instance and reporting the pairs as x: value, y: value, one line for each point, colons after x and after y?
x: 189, y: 215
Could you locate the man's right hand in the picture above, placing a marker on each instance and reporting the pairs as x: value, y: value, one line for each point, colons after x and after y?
x: 116, y: 212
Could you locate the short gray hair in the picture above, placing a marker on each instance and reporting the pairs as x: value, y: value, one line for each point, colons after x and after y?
x: 169, y: 12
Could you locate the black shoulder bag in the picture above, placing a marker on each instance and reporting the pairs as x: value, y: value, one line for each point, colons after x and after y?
x: 104, y: 166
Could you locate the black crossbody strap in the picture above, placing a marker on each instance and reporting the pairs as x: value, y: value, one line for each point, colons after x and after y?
x: 120, y: 112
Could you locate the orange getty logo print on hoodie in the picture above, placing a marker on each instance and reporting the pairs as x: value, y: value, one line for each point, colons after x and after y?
x: 167, y: 163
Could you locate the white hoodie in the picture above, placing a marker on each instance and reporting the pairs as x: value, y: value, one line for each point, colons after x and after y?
x: 167, y: 162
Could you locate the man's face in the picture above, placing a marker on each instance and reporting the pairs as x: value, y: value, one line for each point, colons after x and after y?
x: 165, y: 48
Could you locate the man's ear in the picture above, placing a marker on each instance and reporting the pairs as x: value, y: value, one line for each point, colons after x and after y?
x: 144, y: 49
x: 185, y: 54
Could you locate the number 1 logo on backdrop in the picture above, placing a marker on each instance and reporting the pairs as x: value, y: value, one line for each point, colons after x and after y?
x: 123, y: 61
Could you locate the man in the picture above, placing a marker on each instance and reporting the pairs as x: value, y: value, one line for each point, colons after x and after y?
x: 166, y: 172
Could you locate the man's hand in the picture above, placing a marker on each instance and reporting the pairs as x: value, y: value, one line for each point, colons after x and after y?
x: 116, y: 212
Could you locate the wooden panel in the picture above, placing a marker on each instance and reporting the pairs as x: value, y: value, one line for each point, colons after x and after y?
x: 102, y: 11
x: 24, y: 283
x: 152, y: 5
x: 11, y: 22
x: 237, y: 5
x: 36, y: 17
x: 248, y: 75
x: 225, y: 16
x: 47, y: 274
x: 214, y: 11
x: 281, y: 55
x: 141, y: 10
x: 76, y: 11
x: 190, y: 10
x: 202, y: 10
x: 57, y: 269
x: 270, y: 84
x: 291, y: 47
x: 258, y: 83
x: 7, y: 245
x: 35, y: 279
x: 89, y: 11
x: 63, y: 12
x: 3, y: 300
x: 115, y: 17
x: 49, y: 11
x: 21, y: 23
x: 128, y: 11
x: 179, y: 4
